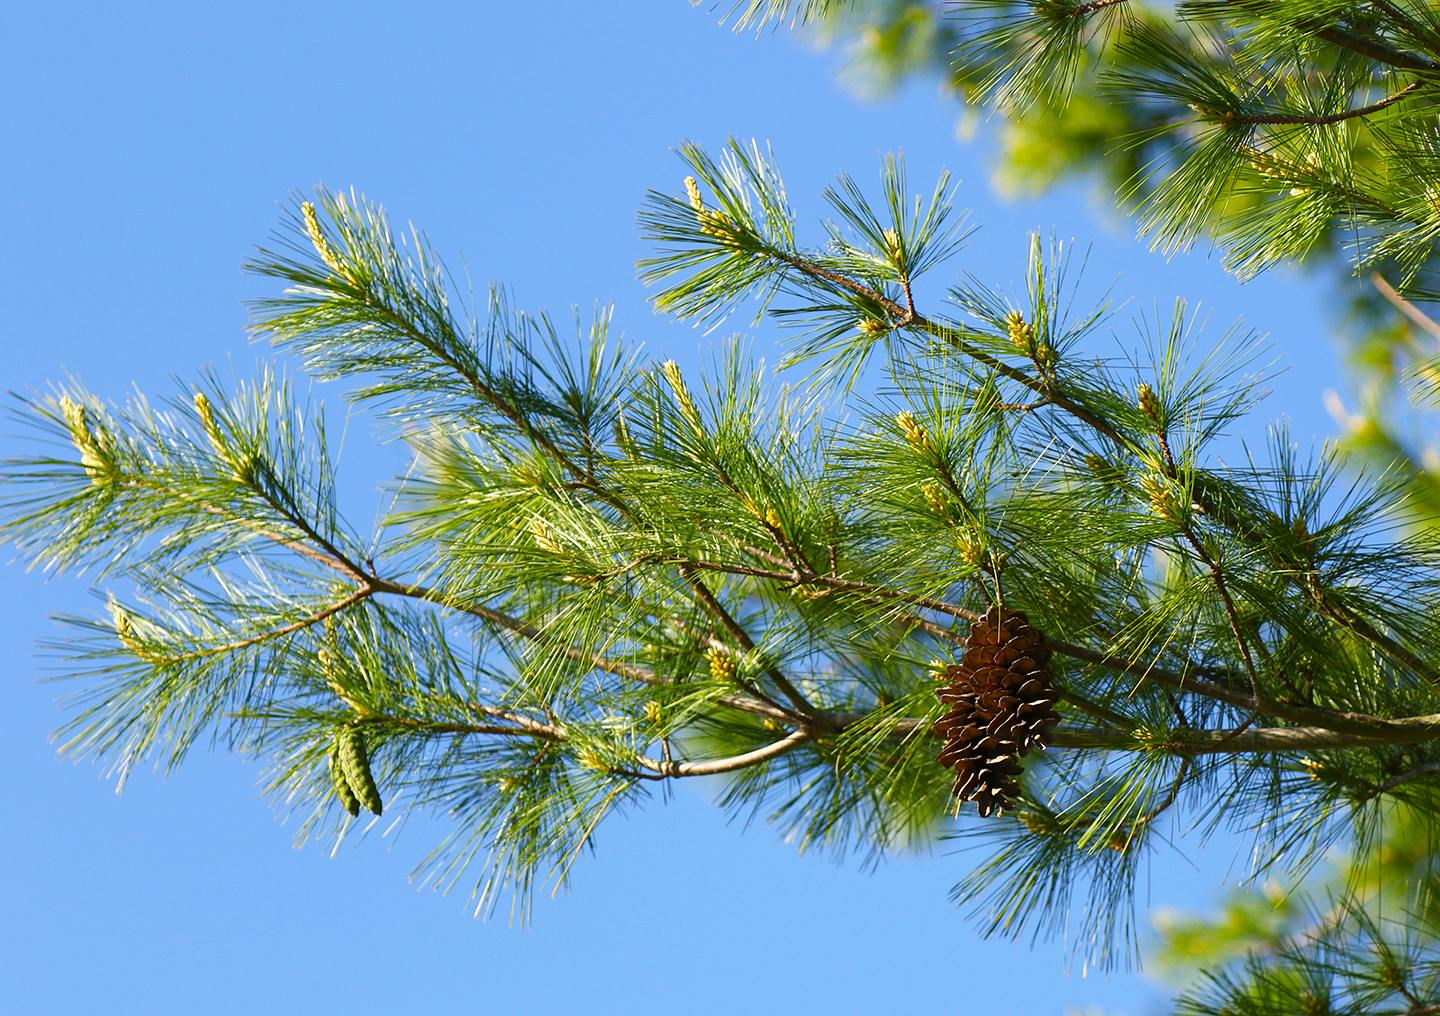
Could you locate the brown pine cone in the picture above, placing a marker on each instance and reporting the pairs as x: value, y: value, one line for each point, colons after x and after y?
x: 1002, y: 705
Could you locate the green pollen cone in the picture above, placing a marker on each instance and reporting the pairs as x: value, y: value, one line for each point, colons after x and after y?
x: 355, y: 762
x: 346, y: 796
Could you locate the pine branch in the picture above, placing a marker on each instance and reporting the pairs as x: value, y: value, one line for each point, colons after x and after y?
x: 530, y: 632
x: 1343, y: 721
x: 1367, y: 46
x: 907, y: 318
x: 1217, y: 573
x: 1297, y: 119
x: 728, y: 622
x: 1273, y: 630
x: 1186, y: 743
x: 1191, y: 743
x: 1376, y: 49
x: 344, y: 603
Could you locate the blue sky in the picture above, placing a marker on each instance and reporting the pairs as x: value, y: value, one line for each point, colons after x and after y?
x: 149, y: 148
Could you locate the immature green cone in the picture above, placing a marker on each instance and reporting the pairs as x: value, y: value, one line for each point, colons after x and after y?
x: 343, y: 793
x: 1002, y: 706
x: 355, y: 764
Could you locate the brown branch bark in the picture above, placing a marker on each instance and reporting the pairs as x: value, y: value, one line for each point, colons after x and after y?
x: 1261, y: 740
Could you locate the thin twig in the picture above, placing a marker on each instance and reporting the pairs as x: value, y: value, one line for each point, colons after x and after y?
x: 1408, y: 776
x: 259, y: 529
x: 1417, y: 316
x: 1217, y: 575
x: 1171, y: 797
x: 629, y: 671
x: 712, y: 767
x: 740, y: 635
x: 361, y: 593
x: 1298, y: 119
x: 292, y: 514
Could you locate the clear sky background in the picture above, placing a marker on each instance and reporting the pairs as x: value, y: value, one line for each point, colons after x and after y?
x: 147, y: 149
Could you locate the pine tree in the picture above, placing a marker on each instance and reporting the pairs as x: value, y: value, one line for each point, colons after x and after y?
x: 601, y: 574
